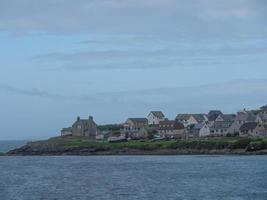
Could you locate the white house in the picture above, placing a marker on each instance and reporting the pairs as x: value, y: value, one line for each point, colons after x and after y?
x: 154, y: 117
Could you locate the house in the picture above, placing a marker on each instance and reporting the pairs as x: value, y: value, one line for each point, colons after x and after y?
x: 84, y: 127
x: 225, y: 117
x: 198, y: 130
x: 213, y: 114
x: 220, y: 128
x: 261, y: 118
x: 241, y: 118
x: 66, y: 131
x: 135, y: 124
x: 171, y: 129
x: 252, y: 129
x: 135, y: 128
x: 154, y: 117
x: 189, y: 119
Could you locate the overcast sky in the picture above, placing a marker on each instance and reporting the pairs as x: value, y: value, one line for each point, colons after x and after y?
x: 115, y: 59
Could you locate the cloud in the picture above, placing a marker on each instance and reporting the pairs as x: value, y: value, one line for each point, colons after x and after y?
x: 28, y: 92
x: 188, y: 18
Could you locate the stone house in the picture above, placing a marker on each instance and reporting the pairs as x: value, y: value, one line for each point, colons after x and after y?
x: 85, y: 127
x: 154, y: 117
x: 135, y: 128
x: 262, y: 118
x: 171, y: 129
x: 220, y: 128
x: 241, y: 118
x: 252, y: 129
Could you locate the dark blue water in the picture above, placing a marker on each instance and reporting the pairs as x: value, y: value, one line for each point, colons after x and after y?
x: 134, y: 177
x: 9, y: 145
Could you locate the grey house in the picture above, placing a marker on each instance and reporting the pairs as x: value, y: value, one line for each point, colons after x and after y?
x: 82, y: 128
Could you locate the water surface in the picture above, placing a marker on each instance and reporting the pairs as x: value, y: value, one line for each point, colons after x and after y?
x: 134, y: 177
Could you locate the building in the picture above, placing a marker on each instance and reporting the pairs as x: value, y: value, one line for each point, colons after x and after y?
x: 225, y: 117
x: 154, y: 117
x: 198, y: 130
x: 171, y: 129
x: 261, y: 118
x: 220, y: 128
x: 213, y: 114
x: 189, y: 119
x: 252, y: 129
x: 84, y: 127
x: 66, y: 131
x: 135, y: 124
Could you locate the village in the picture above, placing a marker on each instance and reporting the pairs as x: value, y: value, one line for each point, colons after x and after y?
x: 245, y: 123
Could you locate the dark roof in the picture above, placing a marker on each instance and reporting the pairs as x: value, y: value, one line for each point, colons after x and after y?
x: 213, y: 114
x: 158, y: 114
x: 199, y: 117
x: 227, y: 117
x: 196, y: 126
x: 138, y: 120
x: 221, y: 124
x: 170, y: 125
x: 248, y: 126
x: 245, y: 116
x: 182, y: 117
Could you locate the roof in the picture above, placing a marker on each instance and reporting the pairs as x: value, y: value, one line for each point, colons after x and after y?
x: 245, y: 116
x: 263, y: 116
x: 170, y: 125
x: 227, y: 117
x: 199, y: 117
x: 213, y: 114
x: 264, y: 108
x: 182, y: 117
x: 221, y: 124
x: 196, y: 126
x: 158, y: 114
x: 138, y: 120
x: 248, y: 126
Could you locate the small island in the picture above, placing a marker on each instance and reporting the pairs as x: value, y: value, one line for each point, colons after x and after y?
x: 212, y: 133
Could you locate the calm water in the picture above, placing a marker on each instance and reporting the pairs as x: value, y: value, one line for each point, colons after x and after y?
x: 134, y: 177
x: 9, y: 145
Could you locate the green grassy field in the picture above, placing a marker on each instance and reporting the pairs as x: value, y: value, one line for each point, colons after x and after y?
x: 207, y: 143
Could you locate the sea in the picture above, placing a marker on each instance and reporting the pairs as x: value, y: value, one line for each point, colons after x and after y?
x: 133, y: 177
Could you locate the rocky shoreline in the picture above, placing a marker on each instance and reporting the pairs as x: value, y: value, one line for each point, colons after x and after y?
x: 83, y: 147
x: 27, y: 151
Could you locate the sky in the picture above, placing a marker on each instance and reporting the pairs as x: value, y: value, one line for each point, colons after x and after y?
x: 115, y: 59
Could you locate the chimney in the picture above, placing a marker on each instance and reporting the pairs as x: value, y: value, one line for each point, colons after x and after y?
x: 90, y: 118
x: 78, y: 118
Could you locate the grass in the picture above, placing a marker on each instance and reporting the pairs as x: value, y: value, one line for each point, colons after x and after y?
x: 207, y: 143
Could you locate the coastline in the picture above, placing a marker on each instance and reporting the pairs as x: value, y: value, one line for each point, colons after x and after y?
x: 75, y: 146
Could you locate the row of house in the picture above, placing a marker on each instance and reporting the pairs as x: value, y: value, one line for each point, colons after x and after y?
x: 214, y: 123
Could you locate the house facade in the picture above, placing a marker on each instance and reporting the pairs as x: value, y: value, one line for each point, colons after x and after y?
x: 154, y: 117
x: 84, y: 127
x: 189, y: 119
x: 252, y: 129
x: 220, y: 128
x: 171, y: 129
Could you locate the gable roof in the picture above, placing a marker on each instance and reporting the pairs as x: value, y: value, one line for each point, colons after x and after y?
x: 248, y: 126
x: 227, y: 117
x: 158, y: 114
x: 182, y: 117
x: 138, y: 120
x: 199, y: 117
x: 213, y: 114
x: 245, y: 116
